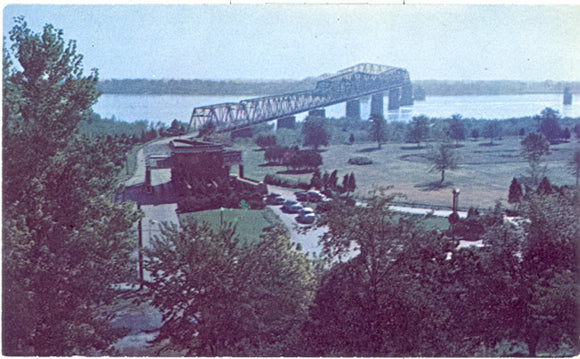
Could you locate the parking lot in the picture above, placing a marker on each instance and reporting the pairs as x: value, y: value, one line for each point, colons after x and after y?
x: 308, y: 241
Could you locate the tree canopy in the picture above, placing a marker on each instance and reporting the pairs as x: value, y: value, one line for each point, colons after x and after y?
x: 65, y: 244
x: 534, y: 148
x: 378, y: 129
x: 221, y: 298
x: 549, y: 125
x: 418, y: 130
x: 315, y: 132
x: 443, y: 157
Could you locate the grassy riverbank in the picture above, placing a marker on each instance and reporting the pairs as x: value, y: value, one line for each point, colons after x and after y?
x: 484, y: 175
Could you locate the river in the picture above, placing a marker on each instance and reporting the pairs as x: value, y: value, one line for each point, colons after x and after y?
x: 165, y: 108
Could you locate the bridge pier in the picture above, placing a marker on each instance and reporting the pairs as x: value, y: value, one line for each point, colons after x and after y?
x: 407, y: 95
x: 353, y: 109
x: 394, y: 99
x: 286, y: 122
x: 377, y: 104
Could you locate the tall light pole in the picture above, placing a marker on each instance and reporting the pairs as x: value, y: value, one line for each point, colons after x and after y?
x: 454, y: 217
x: 455, y: 199
x: 139, y: 249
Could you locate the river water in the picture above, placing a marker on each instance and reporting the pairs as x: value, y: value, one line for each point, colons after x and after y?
x: 165, y: 108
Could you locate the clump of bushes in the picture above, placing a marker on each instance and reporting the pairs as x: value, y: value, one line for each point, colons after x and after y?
x: 283, y: 182
x: 360, y: 160
x: 293, y: 157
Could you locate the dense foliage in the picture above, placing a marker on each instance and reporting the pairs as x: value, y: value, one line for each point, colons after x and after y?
x: 408, y: 291
x: 315, y: 132
x: 65, y: 244
x: 378, y: 129
x: 220, y: 298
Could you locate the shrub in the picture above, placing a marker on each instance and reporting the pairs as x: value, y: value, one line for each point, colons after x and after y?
x: 283, y: 182
x: 266, y: 141
x: 360, y: 160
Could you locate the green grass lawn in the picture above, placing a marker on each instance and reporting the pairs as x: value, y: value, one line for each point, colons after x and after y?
x: 249, y: 222
x: 483, y: 177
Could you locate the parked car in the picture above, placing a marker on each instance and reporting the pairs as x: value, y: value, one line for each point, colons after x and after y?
x: 314, y: 196
x: 306, y: 219
x: 275, y: 200
x: 304, y: 211
x: 295, y: 208
x: 288, y: 203
x: 301, y: 196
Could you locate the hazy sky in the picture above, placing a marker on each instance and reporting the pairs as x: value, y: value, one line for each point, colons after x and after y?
x: 453, y: 42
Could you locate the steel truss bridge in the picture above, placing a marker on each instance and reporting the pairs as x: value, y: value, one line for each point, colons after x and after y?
x: 349, y: 84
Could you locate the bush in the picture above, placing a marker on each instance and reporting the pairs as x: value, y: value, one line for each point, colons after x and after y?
x: 266, y: 141
x: 283, y: 182
x: 360, y: 160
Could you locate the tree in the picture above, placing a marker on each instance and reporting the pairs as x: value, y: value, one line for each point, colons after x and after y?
x: 351, y: 183
x: 220, y: 297
x: 475, y: 134
x: 305, y: 159
x: 522, y: 285
x: 492, y: 130
x: 316, y: 180
x: 549, y: 126
x: 315, y: 132
x: 418, y: 130
x: 385, y: 299
x: 546, y: 271
x: 576, y: 130
x: 456, y: 128
x: 515, y: 191
x: 534, y: 148
x: 566, y: 134
x: 266, y: 141
x: 65, y: 245
x: 574, y: 164
x: 443, y: 157
x: 378, y: 129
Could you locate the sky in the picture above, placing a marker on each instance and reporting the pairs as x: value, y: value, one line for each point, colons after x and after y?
x: 273, y: 42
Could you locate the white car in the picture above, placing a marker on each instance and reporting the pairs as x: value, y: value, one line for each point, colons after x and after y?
x: 305, y: 211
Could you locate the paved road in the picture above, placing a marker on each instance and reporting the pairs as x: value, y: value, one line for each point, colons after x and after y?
x: 308, y: 241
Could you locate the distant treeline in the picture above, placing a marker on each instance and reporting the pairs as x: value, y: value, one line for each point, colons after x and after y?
x: 203, y: 87
x: 459, y: 88
x: 257, y: 88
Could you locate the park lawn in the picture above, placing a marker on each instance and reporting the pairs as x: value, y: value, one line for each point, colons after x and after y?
x: 483, y: 177
x: 250, y: 223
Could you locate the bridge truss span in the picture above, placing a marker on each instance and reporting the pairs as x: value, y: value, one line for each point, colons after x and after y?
x: 351, y: 83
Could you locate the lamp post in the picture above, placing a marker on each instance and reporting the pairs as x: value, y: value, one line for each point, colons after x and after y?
x: 455, y: 199
x: 139, y: 250
x: 454, y: 217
